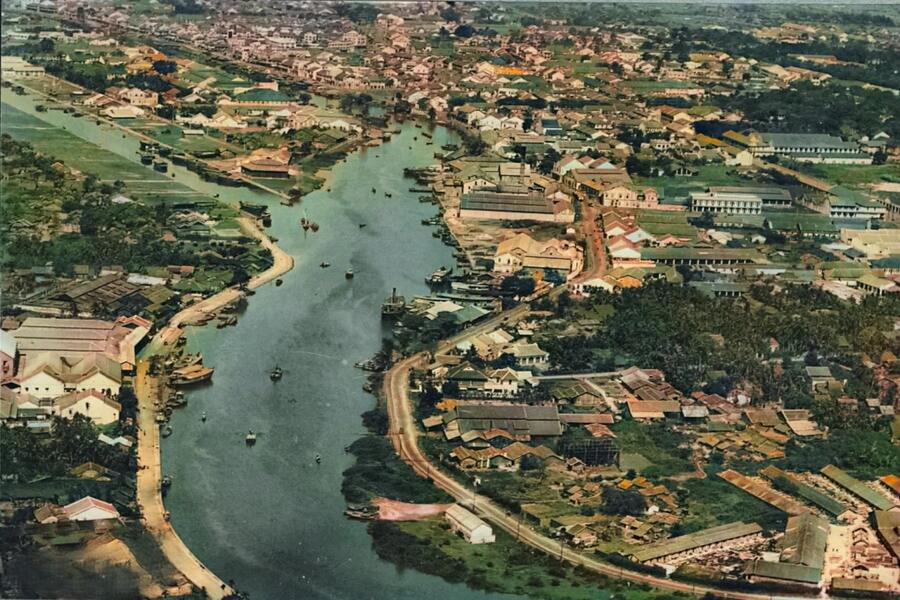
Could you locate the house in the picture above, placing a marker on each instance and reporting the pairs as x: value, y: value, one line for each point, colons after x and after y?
x: 467, y: 524
x: 522, y: 252
x: 97, y: 406
x: 51, y: 375
x: 90, y: 509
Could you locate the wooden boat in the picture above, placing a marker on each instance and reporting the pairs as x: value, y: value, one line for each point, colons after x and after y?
x: 276, y: 373
x: 348, y: 274
x: 361, y: 225
x: 250, y: 439
x: 167, y: 431
x: 278, y: 282
x: 324, y: 264
x: 191, y: 375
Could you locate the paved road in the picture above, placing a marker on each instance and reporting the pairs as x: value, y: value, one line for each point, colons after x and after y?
x: 404, y: 434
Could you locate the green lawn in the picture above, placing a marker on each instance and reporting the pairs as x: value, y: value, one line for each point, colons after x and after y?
x: 855, y: 174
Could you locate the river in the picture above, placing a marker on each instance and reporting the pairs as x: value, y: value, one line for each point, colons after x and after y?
x: 270, y: 517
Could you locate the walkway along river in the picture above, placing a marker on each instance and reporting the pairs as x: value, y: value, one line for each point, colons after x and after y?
x: 269, y: 517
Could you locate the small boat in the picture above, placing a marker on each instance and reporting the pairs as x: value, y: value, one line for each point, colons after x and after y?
x: 361, y: 225
x: 348, y: 274
x: 167, y: 431
x: 305, y: 223
x: 314, y: 226
x: 250, y: 439
x: 161, y: 166
x: 203, y: 417
x: 278, y: 282
x: 166, y: 483
x: 387, y: 195
x: 146, y: 159
x: 324, y: 264
x: 362, y: 515
x: 276, y: 373
x: 373, y: 190
x: 318, y: 458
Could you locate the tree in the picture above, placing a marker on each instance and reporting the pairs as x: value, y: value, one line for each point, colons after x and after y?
x: 622, y: 502
x: 46, y: 46
x: 165, y: 67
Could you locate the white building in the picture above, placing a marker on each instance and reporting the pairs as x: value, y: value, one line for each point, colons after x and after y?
x: 90, y: 509
x: 726, y: 202
x: 97, y: 406
x: 472, y: 528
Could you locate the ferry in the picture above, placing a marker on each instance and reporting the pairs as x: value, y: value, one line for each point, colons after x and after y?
x: 191, y: 375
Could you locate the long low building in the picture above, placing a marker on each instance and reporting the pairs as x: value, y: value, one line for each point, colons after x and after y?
x: 700, y: 542
x: 521, y: 421
x: 684, y: 255
x: 857, y: 487
x: 507, y: 206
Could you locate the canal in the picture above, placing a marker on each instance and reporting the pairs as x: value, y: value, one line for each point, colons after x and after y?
x: 270, y: 517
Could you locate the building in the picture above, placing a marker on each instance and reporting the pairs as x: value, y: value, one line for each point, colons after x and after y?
x: 888, y: 524
x: 90, y: 509
x: 97, y: 406
x: 809, y: 147
x: 701, y: 257
x: 73, y: 338
x: 857, y: 487
x: 804, y: 541
x: 523, y: 252
x: 8, y: 353
x: 507, y: 206
x: 14, y: 67
x: 521, y: 421
x: 694, y: 545
x: 722, y: 202
x: 51, y: 375
x: 472, y: 528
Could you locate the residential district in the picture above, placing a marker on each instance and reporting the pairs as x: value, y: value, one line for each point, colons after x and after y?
x: 666, y: 352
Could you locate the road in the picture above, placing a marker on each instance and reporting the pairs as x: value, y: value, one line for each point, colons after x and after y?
x: 404, y: 435
x: 149, y: 497
x: 595, y: 250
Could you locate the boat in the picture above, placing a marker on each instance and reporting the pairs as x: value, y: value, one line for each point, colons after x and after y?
x: 393, y: 305
x: 318, y: 458
x: 250, y: 439
x: 203, y: 417
x: 146, y: 159
x: 387, y: 195
x: 324, y: 264
x: 191, y: 375
x: 166, y: 483
x: 305, y: 223
x: 167, y: 431
x: 348, y: 274
x: 440, y: 276
x: 426, y: 134
x: 161, y: 166
x: 362, y: 225
x: 314, y: 226
x: 276, y: 373
x: 361, y: 511
x: 40, y: 108
x: 373, y: 190
x: 278, y: 282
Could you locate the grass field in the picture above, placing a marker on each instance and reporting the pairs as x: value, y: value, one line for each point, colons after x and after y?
x: 82, y: 155
x: 854, y: 174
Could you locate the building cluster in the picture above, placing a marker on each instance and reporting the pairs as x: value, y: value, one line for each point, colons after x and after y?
x: 66, y: 367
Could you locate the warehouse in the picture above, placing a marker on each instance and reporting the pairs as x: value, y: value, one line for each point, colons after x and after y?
x: 505, y: 206
x: 472, y: 528
x: 693, y: 545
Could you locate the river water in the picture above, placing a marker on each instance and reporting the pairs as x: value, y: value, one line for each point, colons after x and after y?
x: 270, y: 517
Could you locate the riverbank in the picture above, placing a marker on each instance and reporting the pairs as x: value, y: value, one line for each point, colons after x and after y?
x: 149, y: 476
